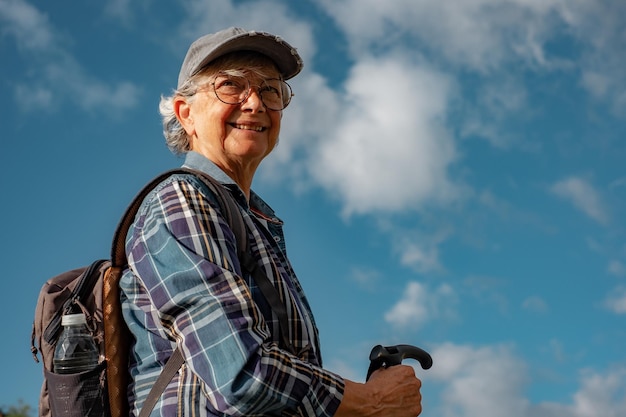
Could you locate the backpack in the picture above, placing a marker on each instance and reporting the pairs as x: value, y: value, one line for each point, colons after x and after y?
x: 94, y: 291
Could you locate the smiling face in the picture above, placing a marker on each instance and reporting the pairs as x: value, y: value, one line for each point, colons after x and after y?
x: 236, y: 137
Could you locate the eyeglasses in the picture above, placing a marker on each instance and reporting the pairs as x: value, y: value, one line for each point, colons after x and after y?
x: 231, y: 89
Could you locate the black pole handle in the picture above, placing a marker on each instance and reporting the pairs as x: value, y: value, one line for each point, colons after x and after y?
x: 394, y: 355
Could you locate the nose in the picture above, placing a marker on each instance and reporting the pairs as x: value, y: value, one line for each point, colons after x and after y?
x: 253, y: 102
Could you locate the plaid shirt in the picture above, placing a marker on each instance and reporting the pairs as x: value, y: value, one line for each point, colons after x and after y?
x: 185, y: 287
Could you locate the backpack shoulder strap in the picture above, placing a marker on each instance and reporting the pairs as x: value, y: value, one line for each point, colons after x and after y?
x: 172, y: 366
x: 227, y: 204
x: 118, y: 250
x: 116, y: 340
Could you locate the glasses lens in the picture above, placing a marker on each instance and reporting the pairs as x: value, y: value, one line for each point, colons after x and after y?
x: 275, y: 94
x: 231, y: 89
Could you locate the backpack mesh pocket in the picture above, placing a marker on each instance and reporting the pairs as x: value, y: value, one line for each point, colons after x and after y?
x: 78, y: 395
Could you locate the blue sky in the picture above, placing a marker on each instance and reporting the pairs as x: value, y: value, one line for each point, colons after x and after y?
x: 451, y: 175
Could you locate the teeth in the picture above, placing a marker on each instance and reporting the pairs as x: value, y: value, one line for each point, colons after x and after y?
x: 246, y: 127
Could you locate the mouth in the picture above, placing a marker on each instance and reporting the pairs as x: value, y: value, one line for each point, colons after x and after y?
x: 254, y: 128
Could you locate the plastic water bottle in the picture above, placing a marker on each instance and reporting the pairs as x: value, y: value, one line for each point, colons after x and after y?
x: 76, y: 351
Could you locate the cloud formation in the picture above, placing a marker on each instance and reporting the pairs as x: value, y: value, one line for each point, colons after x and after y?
x: 480, y: 382
x: 389, y: 149
x: 584, y: 197
x: 490, y: 381
x: 53, y: 73
x: 488, y: 36
x: 420, y: 304
x: 616, y: 301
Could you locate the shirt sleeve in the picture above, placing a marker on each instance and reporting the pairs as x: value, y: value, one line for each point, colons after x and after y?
x: 184, y: 255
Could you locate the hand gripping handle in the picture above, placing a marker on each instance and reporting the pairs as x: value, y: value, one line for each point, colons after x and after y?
x: 394, y: 355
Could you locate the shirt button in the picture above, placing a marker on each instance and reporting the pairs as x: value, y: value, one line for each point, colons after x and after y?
x: 277, y: 239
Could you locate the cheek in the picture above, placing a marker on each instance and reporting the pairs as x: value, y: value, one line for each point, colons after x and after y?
x: 210, y: 121
x: 276, y: 124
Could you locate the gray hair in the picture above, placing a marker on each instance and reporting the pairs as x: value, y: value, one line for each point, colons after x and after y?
x: 236, y: 63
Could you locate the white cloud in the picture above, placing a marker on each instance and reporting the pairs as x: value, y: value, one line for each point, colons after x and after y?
x: 582, y: 194
x: 599, y: 395
x: 389, y: 149
x: 119, y: 9
x: 54, y: 73
x: 366, y: 278
x: 617, y: 268
x: 479, y: 34
x: 602, y: 395
x: 420, y: 258
x: 411, y: 310
x: 557, y: 350
x: 419, y: 304
x: 487, y: 34
x: 490, y: 381
x: 479, y: 382
x: 314, y: 110
x: 487, y: 289
x: 618, y: 183
x: 33, y: 97
x: 490, y: 37
x: 535, y: 304
x: 599, y: 27
x: 30, y: 28
x: 496, y: 101
x: 616, y: 300
x: 419, y: 250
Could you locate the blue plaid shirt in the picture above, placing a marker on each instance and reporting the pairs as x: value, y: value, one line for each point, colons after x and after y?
x: 185, y: 288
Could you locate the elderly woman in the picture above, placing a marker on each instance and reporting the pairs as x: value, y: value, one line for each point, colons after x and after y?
x: 185, y: 287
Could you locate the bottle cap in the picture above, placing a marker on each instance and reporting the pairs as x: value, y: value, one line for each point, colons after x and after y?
x: 73, y: 319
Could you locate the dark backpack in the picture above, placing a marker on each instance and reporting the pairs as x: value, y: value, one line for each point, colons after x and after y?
x: 94, y: 290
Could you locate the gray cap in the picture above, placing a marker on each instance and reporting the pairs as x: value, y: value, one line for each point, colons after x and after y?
x: 214, y: 45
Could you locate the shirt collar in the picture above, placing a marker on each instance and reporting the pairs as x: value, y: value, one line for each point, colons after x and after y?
x: 195, y: 160
x: 198, y: 161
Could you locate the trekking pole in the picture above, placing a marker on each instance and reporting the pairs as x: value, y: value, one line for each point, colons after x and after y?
x: 381, y: 356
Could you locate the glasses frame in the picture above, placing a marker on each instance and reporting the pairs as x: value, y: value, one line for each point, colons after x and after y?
x: 286, y: 97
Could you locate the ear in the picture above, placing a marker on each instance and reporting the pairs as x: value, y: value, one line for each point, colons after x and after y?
x: 182, y: 110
